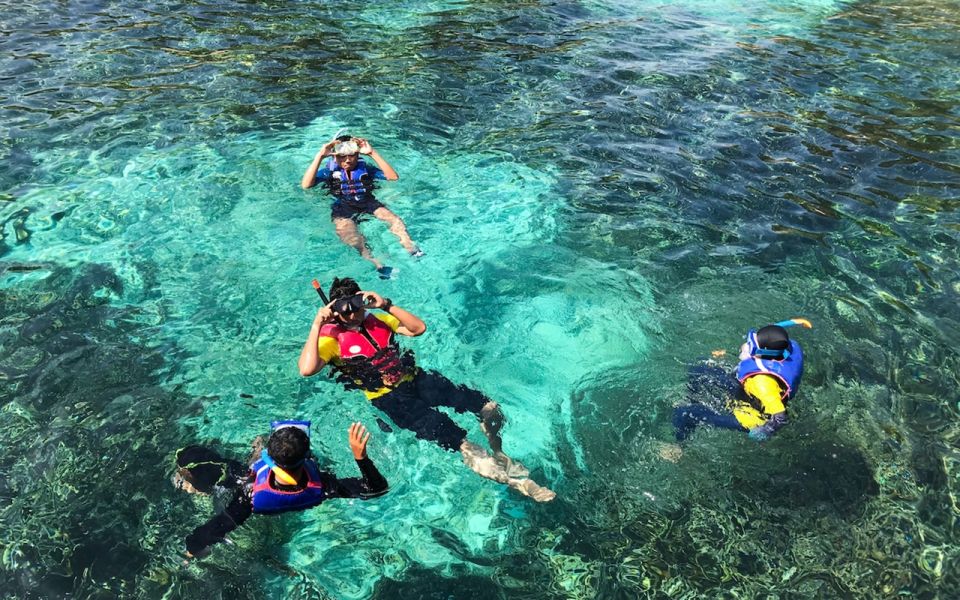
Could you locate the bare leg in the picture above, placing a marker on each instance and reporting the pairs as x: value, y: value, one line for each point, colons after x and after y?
x: 482, y: 463
x: 397, y: 228
x: 488, y: 467
x: 351, y: 236
x: 491, y: 422
x: 532, y: 489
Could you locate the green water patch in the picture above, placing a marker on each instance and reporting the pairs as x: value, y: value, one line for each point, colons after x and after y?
x: 88, y: 431
x: 606, y: 193
x: 232, y: 258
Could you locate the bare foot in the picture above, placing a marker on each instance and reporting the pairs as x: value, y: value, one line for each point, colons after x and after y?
x: 180, y: 482
x: 482, y: 463
x: 670, y: 452
x: 532, y: 489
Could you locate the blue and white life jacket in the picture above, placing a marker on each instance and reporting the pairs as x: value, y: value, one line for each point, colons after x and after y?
x: 787, y: 370
x: 357, y: 186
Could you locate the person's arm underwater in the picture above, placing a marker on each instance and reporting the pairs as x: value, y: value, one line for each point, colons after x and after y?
x: 766, y: 391
x: 310, y: 362
x: 370, y: 484
x: 216, y: 529
x: 310, y: 175
x: 410, y: 324
x: 366, y: 148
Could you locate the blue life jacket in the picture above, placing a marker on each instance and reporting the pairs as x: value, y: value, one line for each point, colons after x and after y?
x: 268, y: 500
x: 358, y: 186
x: 786, y: 370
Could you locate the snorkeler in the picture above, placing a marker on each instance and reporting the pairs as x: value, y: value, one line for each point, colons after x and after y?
x: 281, y: 478
x: 363, y: 350
x: 350, y: 180
x: 769, y: 372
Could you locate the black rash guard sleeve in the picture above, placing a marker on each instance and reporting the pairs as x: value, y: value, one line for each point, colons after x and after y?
x: 369, y: 485
x: 214, y: 530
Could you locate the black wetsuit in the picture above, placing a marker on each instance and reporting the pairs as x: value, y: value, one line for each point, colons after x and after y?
x: 370, y: 485
x: 413, y: 405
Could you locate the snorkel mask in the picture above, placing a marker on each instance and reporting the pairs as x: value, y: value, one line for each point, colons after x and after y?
x: 348, y: 304
x: 347, y: 147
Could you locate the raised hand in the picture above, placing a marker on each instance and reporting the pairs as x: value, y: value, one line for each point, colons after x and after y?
x: 359, y: 436
x: 365, y: 147
x: 373, y: 300
x: 327, y: 149
x: 324, y: 315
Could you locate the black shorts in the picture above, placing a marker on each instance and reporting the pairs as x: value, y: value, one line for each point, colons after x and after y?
x: 412, y: 405
x: 348, y: 209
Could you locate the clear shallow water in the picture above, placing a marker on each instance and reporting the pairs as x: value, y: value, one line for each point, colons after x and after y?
x: 605, y: 192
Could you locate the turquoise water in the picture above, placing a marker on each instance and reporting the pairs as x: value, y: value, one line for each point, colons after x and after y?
x: 606, y: 192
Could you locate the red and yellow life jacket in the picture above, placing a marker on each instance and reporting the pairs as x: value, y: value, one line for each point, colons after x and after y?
x: 369, y: 357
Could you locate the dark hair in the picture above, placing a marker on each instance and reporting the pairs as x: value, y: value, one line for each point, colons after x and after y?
x: 341, y: 288
x: 288, y: 446
x: 773, y: 337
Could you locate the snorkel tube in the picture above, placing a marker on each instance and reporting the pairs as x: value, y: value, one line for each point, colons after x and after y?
x: 778, y: 354
x: 316, y: 286
x: 795, y: 321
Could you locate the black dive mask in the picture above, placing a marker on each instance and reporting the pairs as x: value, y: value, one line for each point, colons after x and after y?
x: 348, y: 305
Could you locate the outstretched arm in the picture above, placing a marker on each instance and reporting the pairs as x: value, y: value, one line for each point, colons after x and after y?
x: 216, y: 529
x: 370, y: 484
x: 366, y: 148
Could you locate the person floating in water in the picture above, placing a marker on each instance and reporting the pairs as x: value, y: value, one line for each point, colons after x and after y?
x: 769, y: 372
x: 350, y: 180
x: 281, y: 478
x: 363, y: 350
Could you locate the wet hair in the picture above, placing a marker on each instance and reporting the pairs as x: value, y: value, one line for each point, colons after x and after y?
x: 342, y: 288
x: 773, y: 337
x: 288, y: 446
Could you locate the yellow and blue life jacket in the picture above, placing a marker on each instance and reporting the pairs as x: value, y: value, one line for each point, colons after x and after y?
x: 787, y: 369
